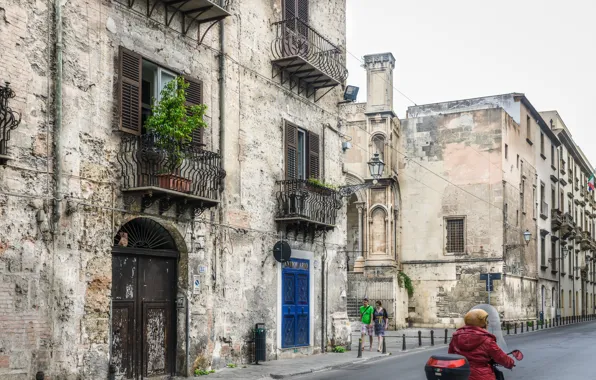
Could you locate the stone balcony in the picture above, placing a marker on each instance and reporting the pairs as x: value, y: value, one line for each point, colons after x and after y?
x: 556, y: 219
x: 585, y: 240
x: 567, y: 226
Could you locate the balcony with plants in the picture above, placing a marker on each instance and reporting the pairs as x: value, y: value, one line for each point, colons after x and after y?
x: 164, y: 165
x: 306, y: 59
x: 307, y: 206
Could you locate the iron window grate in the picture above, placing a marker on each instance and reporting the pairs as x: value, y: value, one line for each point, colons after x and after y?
x: 455, y: 235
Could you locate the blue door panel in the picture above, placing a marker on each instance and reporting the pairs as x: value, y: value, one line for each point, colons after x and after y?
x: 295, y: 303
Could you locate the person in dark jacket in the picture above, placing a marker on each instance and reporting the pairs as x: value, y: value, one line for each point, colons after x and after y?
x: 479, y: 346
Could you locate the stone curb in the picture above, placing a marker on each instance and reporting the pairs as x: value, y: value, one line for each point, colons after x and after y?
x: 330, y: 368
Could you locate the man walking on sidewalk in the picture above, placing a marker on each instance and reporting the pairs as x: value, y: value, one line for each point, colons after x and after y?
x: 366, y: 312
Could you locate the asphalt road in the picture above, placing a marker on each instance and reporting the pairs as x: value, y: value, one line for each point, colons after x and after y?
x: 564, y: 353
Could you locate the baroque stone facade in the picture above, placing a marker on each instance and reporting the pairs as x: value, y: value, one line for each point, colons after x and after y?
x: 374, y: 212
x: 64, y: 209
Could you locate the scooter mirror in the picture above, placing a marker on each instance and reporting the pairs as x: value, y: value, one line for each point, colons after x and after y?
x: 517, y: 354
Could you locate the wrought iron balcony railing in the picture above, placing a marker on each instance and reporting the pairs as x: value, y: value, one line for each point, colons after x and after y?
x: 147, y: 166
x: 300, y: 201
x: 309, y: 58
x: 9, y: 119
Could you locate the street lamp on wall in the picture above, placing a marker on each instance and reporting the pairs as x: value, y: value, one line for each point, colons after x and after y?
x: 527, y: 237
x: 376, y: 166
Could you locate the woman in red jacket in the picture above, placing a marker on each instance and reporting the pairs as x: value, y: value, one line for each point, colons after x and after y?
x: 479, y: 346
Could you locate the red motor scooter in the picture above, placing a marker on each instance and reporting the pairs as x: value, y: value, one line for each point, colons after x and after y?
x: 456, y: 367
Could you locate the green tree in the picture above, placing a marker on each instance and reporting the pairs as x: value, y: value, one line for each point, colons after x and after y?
x: 172, y: 122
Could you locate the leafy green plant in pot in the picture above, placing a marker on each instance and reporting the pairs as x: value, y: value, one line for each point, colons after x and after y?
x: 172, y: 124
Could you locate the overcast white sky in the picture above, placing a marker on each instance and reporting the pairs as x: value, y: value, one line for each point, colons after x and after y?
x: 448, y: 50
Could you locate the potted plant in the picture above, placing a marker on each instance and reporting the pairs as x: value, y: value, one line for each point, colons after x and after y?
x: 171, y: 124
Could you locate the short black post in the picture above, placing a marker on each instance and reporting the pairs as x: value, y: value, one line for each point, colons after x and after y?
x: 515, y: 328
x: 522, y: 327
x: 419, y: 338
x: 508, y: 328
x: 533, y: 325
x: 432, y: 337
x: 445, y: 336
x: 403, y: 342
x: 384, y: 346
x: 360, y: 347
x: 40, y: 375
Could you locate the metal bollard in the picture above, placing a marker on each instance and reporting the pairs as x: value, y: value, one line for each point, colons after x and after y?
x: 533, y: 325
x: 40, y: 375
x: 419, y: 338
x: 384, y: 346
x: 522, y: 327
x: 403, y: 342
x: 360, y: 347
x: 515, y: 328
x: 445, y: 336
x: 432, y: 337
x: 507, y: 328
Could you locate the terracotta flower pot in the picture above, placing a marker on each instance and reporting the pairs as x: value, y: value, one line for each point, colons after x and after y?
x: 174, y: 182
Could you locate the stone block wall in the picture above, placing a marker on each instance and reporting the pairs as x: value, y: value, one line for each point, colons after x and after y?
x: 56, y: 280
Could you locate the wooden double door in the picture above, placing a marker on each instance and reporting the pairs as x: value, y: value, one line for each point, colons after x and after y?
x: 143, y: 312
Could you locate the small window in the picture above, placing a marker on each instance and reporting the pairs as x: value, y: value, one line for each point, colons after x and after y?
x: 517, y: 162
x: 542, y: 251
x: 455, y: 235
x: 542, y: 143
x: 552, y: 155
x: 528, y: 128
x: 506, y: 151
x: 301, y: 154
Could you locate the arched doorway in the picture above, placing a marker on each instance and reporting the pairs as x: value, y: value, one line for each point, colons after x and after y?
x: 144, y: 276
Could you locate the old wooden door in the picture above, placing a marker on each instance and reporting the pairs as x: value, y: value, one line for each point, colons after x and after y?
x: 143, y: 305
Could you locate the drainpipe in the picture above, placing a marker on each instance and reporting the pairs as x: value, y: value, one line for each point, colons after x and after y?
x: 323, y: 321
x: 57, y: 148
x: 222, y: 110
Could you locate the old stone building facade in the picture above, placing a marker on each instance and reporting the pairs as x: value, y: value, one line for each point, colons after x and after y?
x: 373, y: 214
x: 473, y: 162
x: 102, y: 260
x: 573, y: 262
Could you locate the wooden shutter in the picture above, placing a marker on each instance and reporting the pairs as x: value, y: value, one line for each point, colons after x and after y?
x: 291, y: 151
x: 194, y: 96
x: 313, y: 155
x: 130, y: 91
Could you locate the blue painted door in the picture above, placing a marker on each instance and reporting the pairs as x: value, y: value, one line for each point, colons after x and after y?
x: 295, y: 303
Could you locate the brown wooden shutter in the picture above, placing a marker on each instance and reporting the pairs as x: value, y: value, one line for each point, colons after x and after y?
x: 194, y: 96
x: 291, y: 151
x: 130, y: 91
x: 313, y: 155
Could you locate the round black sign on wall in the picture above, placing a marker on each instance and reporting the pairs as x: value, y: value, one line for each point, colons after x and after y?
x: 282, y: 251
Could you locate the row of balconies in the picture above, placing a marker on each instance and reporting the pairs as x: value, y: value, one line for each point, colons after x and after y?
x: 569, y: 230
x: 195, y: 183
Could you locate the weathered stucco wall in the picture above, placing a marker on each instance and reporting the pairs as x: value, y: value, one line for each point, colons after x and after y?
x: 55, y: 292
x: 464, y: 150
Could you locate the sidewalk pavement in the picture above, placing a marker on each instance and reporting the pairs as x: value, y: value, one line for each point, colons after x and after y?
x: 280, y: 369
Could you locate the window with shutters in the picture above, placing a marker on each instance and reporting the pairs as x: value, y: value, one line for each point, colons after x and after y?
x: 141, y: 82
x: 302, y: 153
x: 455, y: 235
